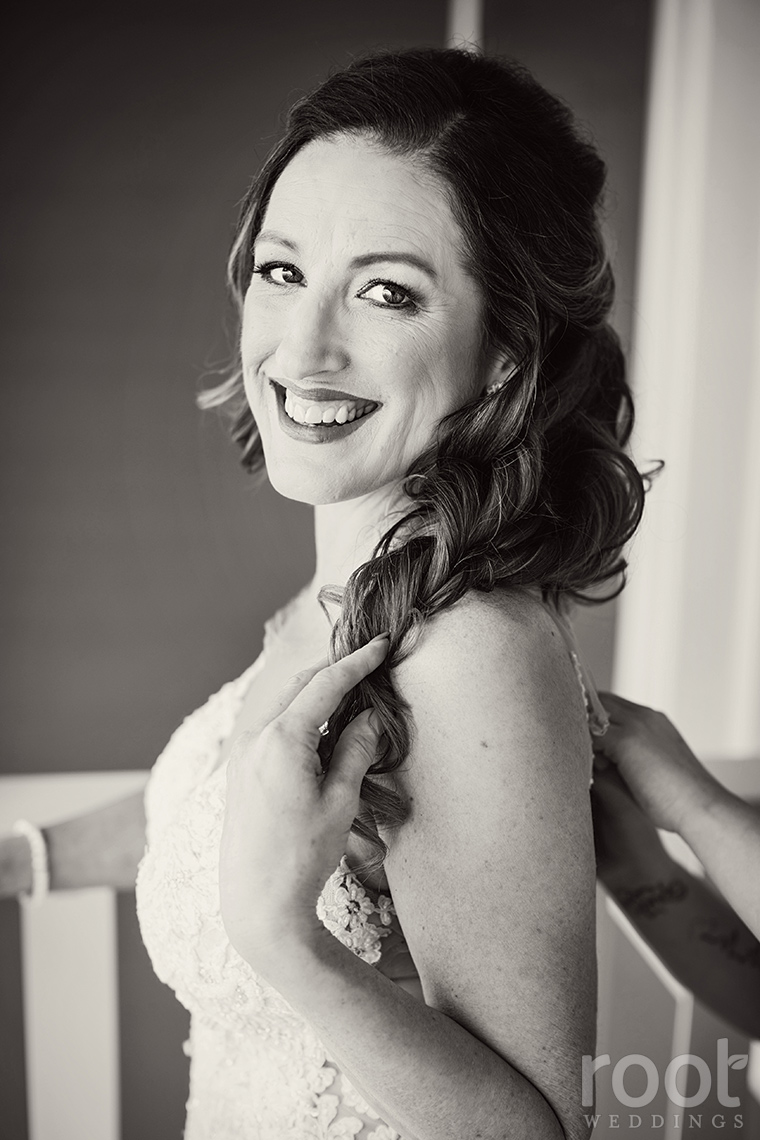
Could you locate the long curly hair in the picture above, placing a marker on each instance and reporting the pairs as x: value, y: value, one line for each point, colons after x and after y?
x: 529, y: 486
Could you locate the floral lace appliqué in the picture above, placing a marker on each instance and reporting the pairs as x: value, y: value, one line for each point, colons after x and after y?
x: 347, y: 911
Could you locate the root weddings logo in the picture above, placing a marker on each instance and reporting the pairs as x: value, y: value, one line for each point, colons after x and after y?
x: 717, y: 1079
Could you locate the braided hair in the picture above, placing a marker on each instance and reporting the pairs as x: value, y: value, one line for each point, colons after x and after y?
x: 529, y: 486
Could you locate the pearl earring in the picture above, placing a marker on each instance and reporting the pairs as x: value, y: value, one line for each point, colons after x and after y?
x: 500, y: 383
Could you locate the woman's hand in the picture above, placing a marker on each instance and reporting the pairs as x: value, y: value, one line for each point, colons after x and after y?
x: 286, y: 822
x: 661, y: 771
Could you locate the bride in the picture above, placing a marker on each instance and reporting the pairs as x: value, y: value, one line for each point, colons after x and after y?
x: 369, y: 870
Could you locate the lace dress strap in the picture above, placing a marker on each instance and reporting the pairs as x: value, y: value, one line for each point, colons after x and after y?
x: 598, y: 721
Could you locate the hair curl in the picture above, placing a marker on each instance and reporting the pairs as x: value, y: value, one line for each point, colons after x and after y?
x: 531, y: 485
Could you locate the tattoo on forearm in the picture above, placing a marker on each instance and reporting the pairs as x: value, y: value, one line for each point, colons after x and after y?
x: 652, y: 900
x: 738, y: 945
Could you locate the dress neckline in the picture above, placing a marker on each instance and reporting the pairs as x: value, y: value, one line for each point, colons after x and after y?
x: 274, y: 625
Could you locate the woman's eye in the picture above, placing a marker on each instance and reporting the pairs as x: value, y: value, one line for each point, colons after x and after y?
x: 388, y: 295
x: 279, y: 273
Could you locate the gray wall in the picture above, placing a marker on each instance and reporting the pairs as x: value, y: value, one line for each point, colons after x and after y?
x: 140, y: 563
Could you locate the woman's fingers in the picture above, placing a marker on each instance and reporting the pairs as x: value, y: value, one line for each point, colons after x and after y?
x: 355, y: 751
x: 289, y: 692
x: 605, y: 747
x: 318, y: 698
x: 610, y: 782
x: 623, y: 712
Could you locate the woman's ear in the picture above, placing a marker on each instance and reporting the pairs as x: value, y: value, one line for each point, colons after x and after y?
x: 501, y: 372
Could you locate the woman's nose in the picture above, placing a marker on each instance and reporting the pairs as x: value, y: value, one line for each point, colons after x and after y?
x: 311, y: 340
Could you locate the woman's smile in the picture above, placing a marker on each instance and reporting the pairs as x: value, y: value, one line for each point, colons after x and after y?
x: 322, y: 417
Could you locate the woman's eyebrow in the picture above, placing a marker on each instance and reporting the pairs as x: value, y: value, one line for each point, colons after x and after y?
x: 390, y: 255
x: 363, y: 259
x: 278, y: 239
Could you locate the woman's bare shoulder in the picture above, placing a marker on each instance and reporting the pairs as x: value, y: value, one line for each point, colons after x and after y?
x: 493, y: 696
x: 501, y: 646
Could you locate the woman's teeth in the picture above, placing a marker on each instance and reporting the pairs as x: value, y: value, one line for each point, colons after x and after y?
x: 339, y: 413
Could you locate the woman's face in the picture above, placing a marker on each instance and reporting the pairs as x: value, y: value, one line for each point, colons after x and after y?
x: 361, y: 326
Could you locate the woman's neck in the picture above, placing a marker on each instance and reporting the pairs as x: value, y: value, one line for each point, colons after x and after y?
x: 346, y: 533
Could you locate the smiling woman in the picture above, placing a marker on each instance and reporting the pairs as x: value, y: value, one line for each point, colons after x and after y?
x: 425, y: 357
x: 371, y: 879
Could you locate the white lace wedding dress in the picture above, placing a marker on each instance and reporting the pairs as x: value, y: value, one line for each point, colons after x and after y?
x: 258, y: 1071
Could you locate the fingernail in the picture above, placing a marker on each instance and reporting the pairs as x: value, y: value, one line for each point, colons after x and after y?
x: 380, y: 637
x: 374, y: 722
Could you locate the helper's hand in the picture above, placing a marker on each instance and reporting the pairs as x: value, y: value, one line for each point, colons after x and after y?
x: 664, y: 776
x: 628, y: 848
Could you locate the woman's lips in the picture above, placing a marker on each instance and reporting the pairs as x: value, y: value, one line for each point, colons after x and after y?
x: 320, y: 395
x: 343, y: 414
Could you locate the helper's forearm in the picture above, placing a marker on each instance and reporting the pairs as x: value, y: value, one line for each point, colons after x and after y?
x: 421, y: 1071
x: 696, y: 934
x: 101, y: 848
x: 725, y: 837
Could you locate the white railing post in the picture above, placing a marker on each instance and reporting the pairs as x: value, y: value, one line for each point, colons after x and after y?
x: 70, y: 974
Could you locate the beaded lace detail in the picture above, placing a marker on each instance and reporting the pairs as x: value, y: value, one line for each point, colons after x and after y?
x: 598, y: 721
x: 596, y: 714
x: 348, y: 912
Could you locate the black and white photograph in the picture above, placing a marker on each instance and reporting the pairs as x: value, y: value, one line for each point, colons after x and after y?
x: 380, y: 501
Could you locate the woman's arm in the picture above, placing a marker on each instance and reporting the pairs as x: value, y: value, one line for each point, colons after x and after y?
x: 493, y: 881
x: 691, y: 928
x: 99, y: 849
